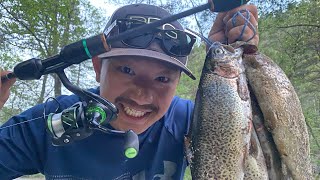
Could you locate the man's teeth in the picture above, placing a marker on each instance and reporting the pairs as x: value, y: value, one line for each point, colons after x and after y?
x: 133, y: 112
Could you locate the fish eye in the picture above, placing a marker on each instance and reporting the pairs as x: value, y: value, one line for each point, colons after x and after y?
x: 237, y: 51
x: 218, y: 51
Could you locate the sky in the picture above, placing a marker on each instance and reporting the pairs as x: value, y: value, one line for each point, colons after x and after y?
x: 108, y: 8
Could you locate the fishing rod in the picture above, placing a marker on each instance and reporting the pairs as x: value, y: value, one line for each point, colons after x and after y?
x: 94, y: 112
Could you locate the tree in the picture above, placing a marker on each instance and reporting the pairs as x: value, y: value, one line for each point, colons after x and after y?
x: 40, y: 28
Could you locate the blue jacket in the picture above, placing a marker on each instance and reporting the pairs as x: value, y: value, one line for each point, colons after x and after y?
x: 27, y: 148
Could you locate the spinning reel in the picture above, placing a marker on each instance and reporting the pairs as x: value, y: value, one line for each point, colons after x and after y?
x: 81, y: 119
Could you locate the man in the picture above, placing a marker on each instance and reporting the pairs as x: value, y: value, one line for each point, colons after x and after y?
x: 140, y: 77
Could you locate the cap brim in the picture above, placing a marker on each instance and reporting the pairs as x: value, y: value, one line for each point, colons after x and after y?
x: 147, y: 53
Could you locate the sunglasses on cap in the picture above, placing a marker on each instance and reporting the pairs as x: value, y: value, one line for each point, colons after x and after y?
x: 173, y: 41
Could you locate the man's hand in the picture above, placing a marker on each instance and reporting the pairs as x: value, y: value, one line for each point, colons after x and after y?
x: 5, y: 88
x: 229, y: 26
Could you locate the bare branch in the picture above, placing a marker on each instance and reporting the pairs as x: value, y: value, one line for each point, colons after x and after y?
x: 195, y: 17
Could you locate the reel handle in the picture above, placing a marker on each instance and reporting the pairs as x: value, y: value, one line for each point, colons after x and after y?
x: 131, y: 146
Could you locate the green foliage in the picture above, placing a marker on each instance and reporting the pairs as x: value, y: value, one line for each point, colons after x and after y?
x: 40, y: 29
x: 187, y: 174
x: 187, y: 87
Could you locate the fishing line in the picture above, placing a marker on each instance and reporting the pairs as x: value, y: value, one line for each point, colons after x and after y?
x: 45, y: 106
x: 21, y: 122
x: 206, y: 40
x: 43, y: 116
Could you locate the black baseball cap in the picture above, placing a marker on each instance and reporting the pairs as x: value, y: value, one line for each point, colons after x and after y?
x: 147, y: 13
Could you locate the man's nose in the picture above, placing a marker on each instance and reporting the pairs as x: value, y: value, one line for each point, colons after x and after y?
x: 142, y: 92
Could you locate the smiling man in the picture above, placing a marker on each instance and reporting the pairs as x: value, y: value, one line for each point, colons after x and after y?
x: 140, y: 76
x: 141, y: 96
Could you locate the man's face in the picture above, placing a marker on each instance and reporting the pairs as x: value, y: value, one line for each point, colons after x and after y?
x: 141, y: 88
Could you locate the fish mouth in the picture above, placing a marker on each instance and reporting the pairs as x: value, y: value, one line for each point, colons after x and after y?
x: 224, y: 63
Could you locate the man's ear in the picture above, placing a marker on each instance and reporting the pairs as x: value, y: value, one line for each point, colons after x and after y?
x: 97, y: 67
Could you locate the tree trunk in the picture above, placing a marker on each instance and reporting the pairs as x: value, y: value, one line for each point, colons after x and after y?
x: 79, y: 74
x: 43, y: 89
x: 65, y: 39
x: 57, y: 86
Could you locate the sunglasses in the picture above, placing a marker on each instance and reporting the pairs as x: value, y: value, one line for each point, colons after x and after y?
x: 173, y: 41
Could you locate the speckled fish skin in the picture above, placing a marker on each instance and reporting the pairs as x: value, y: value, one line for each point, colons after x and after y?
x: 255, y: 163
x: 269, y: 149
x: 221, y: 126
x: 282, y: 114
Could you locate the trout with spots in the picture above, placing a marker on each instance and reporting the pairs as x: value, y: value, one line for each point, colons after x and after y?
x: 218, y: 142
x: 282, y: 114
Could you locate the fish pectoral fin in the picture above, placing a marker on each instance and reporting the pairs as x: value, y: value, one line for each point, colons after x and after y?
x: 243, y: 89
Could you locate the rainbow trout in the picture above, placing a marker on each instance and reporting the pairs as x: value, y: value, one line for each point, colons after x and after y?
x: 269, y: 149
x: 219, y: 137
x: 282, y: 114
x: 255, y: 163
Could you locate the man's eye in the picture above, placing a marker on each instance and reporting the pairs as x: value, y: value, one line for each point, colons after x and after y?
x: 126, y: 70
x: 162, y: 79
